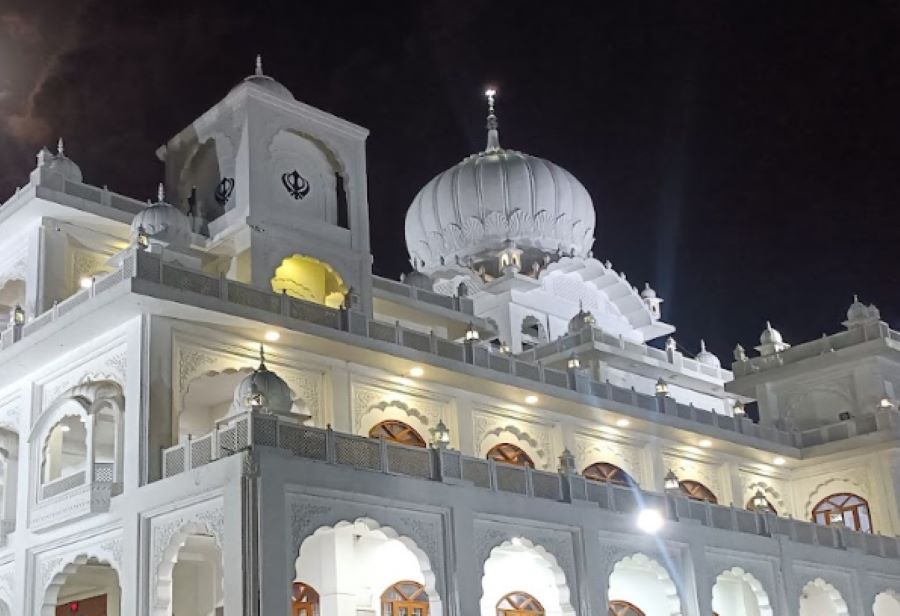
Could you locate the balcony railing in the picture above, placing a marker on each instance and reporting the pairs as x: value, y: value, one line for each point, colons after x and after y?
x: 249, y: 430
x: 148, y: 267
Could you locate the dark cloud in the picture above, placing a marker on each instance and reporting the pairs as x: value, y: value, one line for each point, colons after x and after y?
x: 741, y: 157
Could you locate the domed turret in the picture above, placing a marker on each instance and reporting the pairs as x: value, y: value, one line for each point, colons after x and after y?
x: 163, y: 222
x: 860, y: 314
x: 770, y: 341
x: 706, y: 357
x: 270, y: 85
x: 61, y: 164
x: 418, y: 280
x: 582, y: 319
x: 496, y: 196
x: 265, y: 391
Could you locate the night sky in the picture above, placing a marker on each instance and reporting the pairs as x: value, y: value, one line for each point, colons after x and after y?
x: 744, y: 157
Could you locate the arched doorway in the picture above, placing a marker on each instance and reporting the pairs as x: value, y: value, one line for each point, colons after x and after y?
x: 310, y: 279
x: 887, y: 603
x: 738, y: 593
x: 397, y: 432
x: 353, y: 564
x: 819, y: 598
x: 404, y: 599
x: 608, y: 473
x: 844, y: 509
x: 623, y: 608
x: 520, y: 576
x: 510, y: 454
x: 519, y: 604
x: 304, y: 600
x: 85, y: 586
x: 189, y: 580
x: 643, y: 583
x: 695, y: 490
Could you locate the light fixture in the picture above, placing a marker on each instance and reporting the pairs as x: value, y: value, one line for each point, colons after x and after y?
x: 885, y: 403
x: 472, y: 334
x: 650, y: 521
x: 505, y: 349
x: 670, y: 481
x: 64, y: 428
x: 255, y: 399
x: 416, y: 371
x: 778, y: 461
x: 531, y: 399
x: 662, y: 388
x: 574, y: 363
x: 759, y: 502
x: 143, y: 240
x: 705, y: 442
x: 623, y: 423
x: 441, y: 434
x: 738, y: 408
x: 272, y: 336
x: 18, y: 315
x: 86, y: 282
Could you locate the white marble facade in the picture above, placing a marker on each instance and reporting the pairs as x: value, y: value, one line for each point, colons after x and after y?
x: 134, y: 481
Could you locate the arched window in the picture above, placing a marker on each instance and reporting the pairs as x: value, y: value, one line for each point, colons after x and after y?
x: 304, y: 600
x: 65, y: 450
x: 519, y: 604
x: 397, y: 432
x: 532, y: 327
x: 404, y: 599
x: 695, y: 490
x: 623, y: 608
x: 608, y: 473
x: 510, y: 454
x: 848, y: 509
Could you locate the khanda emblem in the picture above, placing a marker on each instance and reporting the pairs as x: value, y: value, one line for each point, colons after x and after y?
x: 296, y: 185
x: 224, y: 190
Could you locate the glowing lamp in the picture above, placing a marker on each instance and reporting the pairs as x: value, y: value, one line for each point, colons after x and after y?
x: 662, y: 388
x: 18, y: 315
x: 574, y: 363
x: 650, y: 521
x: 416, y: 371
x: 441, y: 434
x: 472, y: 334
x: 739, y: 410
x: 255, y: 399
x: 86, y: 282
x: 143, y: 240
x: 670, y: 481
x: 885, y: 403
x: 759, y: 502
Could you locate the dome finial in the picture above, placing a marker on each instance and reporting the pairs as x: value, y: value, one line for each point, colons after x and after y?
x: 702, y: 345
x: 60, y: 148
x: 262, y: 358
x: 160, y: 193
x: 493, y: 137
x: 258, y: 70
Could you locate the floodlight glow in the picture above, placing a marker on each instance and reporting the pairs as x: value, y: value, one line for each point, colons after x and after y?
x: 86, y: 282
x: 531, y: 399
x: 705, y: 442
x: 650, y: 521
x: 272, y: 335
x: 623, y: 423
x: 416, y: 371
x: 778, y: 461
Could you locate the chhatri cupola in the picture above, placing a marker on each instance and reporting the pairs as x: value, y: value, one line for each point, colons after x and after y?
x: 515, y: 233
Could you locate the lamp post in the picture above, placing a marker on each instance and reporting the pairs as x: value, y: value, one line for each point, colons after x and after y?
x: 18, y: 315
x: 670, y: 483
x: 662, y: 388
x: 738, y: 408
x: 759, y: 502
x: 440, y: 435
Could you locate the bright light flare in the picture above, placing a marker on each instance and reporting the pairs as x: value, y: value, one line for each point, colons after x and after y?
x: 650, y: 521
x: 416, y: 371
x: 623, y: 423
x: 531, y: 399
x: 272, y: 336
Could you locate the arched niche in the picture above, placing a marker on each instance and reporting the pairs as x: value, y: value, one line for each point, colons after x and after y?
x: 70, y: 579
x: 189, y: 580
x: 644, y: 583
x: 351, y: 564
x: 819, y: 598
x: 738, y: 593
x: 203, y: 171
x: 520, y: 566
x: 887, y: 603
x: 310, y: 279
x: 12, y: 294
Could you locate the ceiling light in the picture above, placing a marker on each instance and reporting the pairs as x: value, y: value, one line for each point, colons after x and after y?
x: 416, y: 371
x: 86, y: 282
x: 650, y: 521
x: 778, y: 461
x: 272, y: 335
x: 64, y: 428
x: 531, y: 399
x: 705, y: 442
x: 623, y: 423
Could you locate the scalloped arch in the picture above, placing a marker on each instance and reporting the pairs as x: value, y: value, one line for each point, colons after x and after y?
x: 756, y: 587
x: 162, y: 593
x: 66, y: 568
x: 561, y: 603
x: 840, y: 606
x: 642, y: 561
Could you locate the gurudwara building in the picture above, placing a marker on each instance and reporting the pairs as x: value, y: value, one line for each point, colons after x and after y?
x: 209, y: 405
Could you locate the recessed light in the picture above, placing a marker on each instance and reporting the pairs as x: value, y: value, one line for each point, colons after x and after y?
x: 623, y: 423
x: 86, y: 282
x: 531, y: 399
x: 778, y: 461
x: 416, y: 371
x: 705, y: 442
x: 272, y: 335
x: 64, y: 428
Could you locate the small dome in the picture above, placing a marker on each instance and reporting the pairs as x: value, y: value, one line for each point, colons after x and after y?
x: 581, y: 320
x: 648, y: 292
x: 62, y: 164
x: 707, y: 358
x: 272, y: 86
x: 770, y: 335
x: 419, y: 280
x: 163, y: 222
x: 858, y: 311
x: 274, y: 395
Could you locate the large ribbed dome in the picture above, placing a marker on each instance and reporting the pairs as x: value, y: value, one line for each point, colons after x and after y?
x: 494, y: 196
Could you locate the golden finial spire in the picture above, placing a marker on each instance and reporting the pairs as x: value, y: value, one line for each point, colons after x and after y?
x: 258, y: 70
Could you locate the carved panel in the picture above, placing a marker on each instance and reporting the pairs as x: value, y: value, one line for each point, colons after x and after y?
x: 489, y: 423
